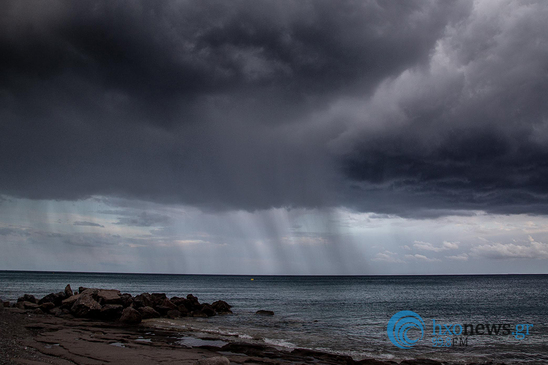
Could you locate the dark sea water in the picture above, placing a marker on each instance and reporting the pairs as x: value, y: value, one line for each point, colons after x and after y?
x: 346, y: 315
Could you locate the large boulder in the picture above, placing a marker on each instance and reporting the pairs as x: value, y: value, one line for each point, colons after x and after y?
x: 85, y: 305
x: 127, y: 300
x: 157, y: 299
x: 207, y: 310
x: 111, y: 311
x: 27, y: 298
x: 68, y: 291
x: 47, y: 306
x: 131, y: 316
x: 148, y: 312
x: 55, y: 298
x: 194, y: 303
x: 109, y: 296
x: 143, y: 300
x: 69, y: 302
x: 165, y: 306
x: 90, y: 291
x: 221, y: 307
x: 27, y: 305
x: 180, y: 302
x: 184, y: 311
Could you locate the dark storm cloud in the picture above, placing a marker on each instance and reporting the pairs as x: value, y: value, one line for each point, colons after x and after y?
x: 404, y: 108
x: 472, y: 136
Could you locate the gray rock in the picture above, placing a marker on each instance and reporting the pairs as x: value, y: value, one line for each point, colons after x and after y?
x: 208, y: 310
x: 216, y: 360
x: 174, y: 313
x: 109, y: 296
x: 111, y: 311
x: 165, y: 306
x: 68, y: 291
x: 47, y: 306
x: 143, y: 300
x: 127, y: 300
x: 55, y: 298
x: 131, y: 316
x: 90, y: 291
x: 182, y: 302
x: 27, y: 305
x: 183, y: 310
x: 58, y: 312
x: 221, y: 307
x: 148, y: 312
x: 27, y: 298
x: 85, y: 306
x: 199, y: 313
x: 158, y: 299
x: 194, y: 303
x: 264, y: 313
x: 69, y: 302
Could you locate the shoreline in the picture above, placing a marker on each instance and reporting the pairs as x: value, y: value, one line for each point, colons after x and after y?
x: 32, y: 338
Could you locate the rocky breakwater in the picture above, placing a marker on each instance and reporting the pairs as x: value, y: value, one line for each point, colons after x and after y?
x: 112, y: 305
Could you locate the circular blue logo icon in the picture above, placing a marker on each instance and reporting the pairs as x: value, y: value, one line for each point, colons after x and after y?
x: 400, y: 324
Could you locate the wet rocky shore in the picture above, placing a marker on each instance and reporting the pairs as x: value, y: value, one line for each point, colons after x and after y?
x: 97, y: 326
x: 112, y: 305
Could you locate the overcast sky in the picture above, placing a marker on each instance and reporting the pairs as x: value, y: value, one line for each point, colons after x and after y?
x: 274, y: 137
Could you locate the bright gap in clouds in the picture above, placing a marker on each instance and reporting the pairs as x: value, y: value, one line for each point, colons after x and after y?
x: 114, y: 235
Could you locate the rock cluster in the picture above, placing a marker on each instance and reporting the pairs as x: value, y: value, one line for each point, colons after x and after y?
x: 111, y: 305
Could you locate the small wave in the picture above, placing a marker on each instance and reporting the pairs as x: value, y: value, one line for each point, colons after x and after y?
x: 280, y: 343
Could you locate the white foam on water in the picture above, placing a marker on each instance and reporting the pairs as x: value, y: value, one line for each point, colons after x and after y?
x: 280, y: 343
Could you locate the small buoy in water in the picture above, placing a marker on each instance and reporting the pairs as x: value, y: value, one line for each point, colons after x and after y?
x: 252, y: 279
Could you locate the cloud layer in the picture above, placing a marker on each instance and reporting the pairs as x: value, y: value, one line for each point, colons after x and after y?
x: 414, y: 108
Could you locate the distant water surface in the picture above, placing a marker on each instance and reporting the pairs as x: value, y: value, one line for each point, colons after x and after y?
x: 339, y: 314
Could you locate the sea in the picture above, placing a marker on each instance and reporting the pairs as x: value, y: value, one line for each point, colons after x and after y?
x: 344, y: 314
